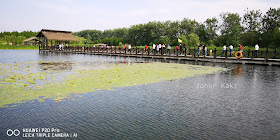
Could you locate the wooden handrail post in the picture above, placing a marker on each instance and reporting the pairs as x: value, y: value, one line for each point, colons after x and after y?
x: 194, y: 52
x: 249, y: 53
x: 226, y: 52
x: 275, y: 53
x: 266, y: 54
x: 215, y: 53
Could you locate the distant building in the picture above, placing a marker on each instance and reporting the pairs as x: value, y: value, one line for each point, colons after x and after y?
x: 31, y: 41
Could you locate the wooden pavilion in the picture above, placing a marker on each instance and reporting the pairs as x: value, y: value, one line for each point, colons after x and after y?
x: 31, y: 41
x: 55, y: 36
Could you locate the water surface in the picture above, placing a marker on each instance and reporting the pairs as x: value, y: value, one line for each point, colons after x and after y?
x: 200, y: 107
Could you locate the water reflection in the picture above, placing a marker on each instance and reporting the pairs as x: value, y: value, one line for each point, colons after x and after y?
x: 237, y: 71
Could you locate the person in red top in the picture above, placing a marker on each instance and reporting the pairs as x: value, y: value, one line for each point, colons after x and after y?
x: 241, y: 48
x: 176, y: 49
x: 146, y: 48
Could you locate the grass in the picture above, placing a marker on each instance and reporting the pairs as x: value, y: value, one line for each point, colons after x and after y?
x: 18, y: 47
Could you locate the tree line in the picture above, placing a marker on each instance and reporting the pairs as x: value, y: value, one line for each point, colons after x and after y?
x: 16, y: 37
x: 252, y: 28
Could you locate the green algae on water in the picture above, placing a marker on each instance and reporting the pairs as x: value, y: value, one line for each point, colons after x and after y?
x: 20, y: 88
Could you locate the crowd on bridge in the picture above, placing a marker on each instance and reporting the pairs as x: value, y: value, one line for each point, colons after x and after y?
x: 201, y: 49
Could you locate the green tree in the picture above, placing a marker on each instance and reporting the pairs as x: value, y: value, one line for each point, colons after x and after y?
x: 19, y: 39
x: 211, y: 28
x: 165, y: 40
x: 193, y: 40
x: 188, y: 26
x: 231, y: 28
x: 252, y: 20
x: 271, y: 19
x: 184, y: 39
x: 250, y: 38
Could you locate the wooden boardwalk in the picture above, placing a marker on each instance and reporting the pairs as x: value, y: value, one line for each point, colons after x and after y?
x: 187, y: 56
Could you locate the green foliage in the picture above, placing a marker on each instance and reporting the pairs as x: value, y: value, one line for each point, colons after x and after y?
x: 184, y: 39
x: 18, y: 47
x: 15, y: 37
x: 120, y: 44
x: 271, y: 39
x: 271, y: 19
x: 231, y: 28
x: 81, y: 40
x: 193, y: 40
x: 250, y: 38
x: 252, y: 20
x: 165, y: 40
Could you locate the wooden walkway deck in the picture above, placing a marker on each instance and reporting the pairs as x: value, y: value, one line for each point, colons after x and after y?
x: 173, y: 56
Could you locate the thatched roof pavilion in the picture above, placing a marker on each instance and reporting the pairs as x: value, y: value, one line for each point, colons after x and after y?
x: 31, y: 41
x: 57, y: 36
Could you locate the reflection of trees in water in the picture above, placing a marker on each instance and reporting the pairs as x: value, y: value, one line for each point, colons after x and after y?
x: 56, y: 66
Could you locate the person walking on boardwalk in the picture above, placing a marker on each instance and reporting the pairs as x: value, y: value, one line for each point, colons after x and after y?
x: 230, y: 50
x: 168, y: 49
x: 163, y: 48
x: 129, y: 48
x: 205, y: 50
x: 181, y: 48
x: 157, y: 47
x: 146, y: 47
x: 256, y: 50
x: 123, y: 47
x: 224, y: 50
x: 198, y: 49
x: 240, y: 48
x: 154, y: 48
x: 176, y: 49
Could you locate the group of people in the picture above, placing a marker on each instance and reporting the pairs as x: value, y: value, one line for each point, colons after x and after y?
x: 224, y: 53
x: 166, y: 49
x: 203, y: 48
x: 60, y: 46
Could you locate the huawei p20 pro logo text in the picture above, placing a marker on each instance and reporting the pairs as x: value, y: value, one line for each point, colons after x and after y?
x: 11, y: 132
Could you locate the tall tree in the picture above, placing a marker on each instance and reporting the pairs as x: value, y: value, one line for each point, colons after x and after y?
x: 252, y: 20
x: 271, y: 19
x: 211, y: 25
x: 231, y: 28
x: 193, y: 40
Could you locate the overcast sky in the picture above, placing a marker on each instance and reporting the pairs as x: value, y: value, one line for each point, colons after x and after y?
x: 77, y: 15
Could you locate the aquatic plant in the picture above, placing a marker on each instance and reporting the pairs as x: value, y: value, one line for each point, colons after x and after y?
x: 58, y: 84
